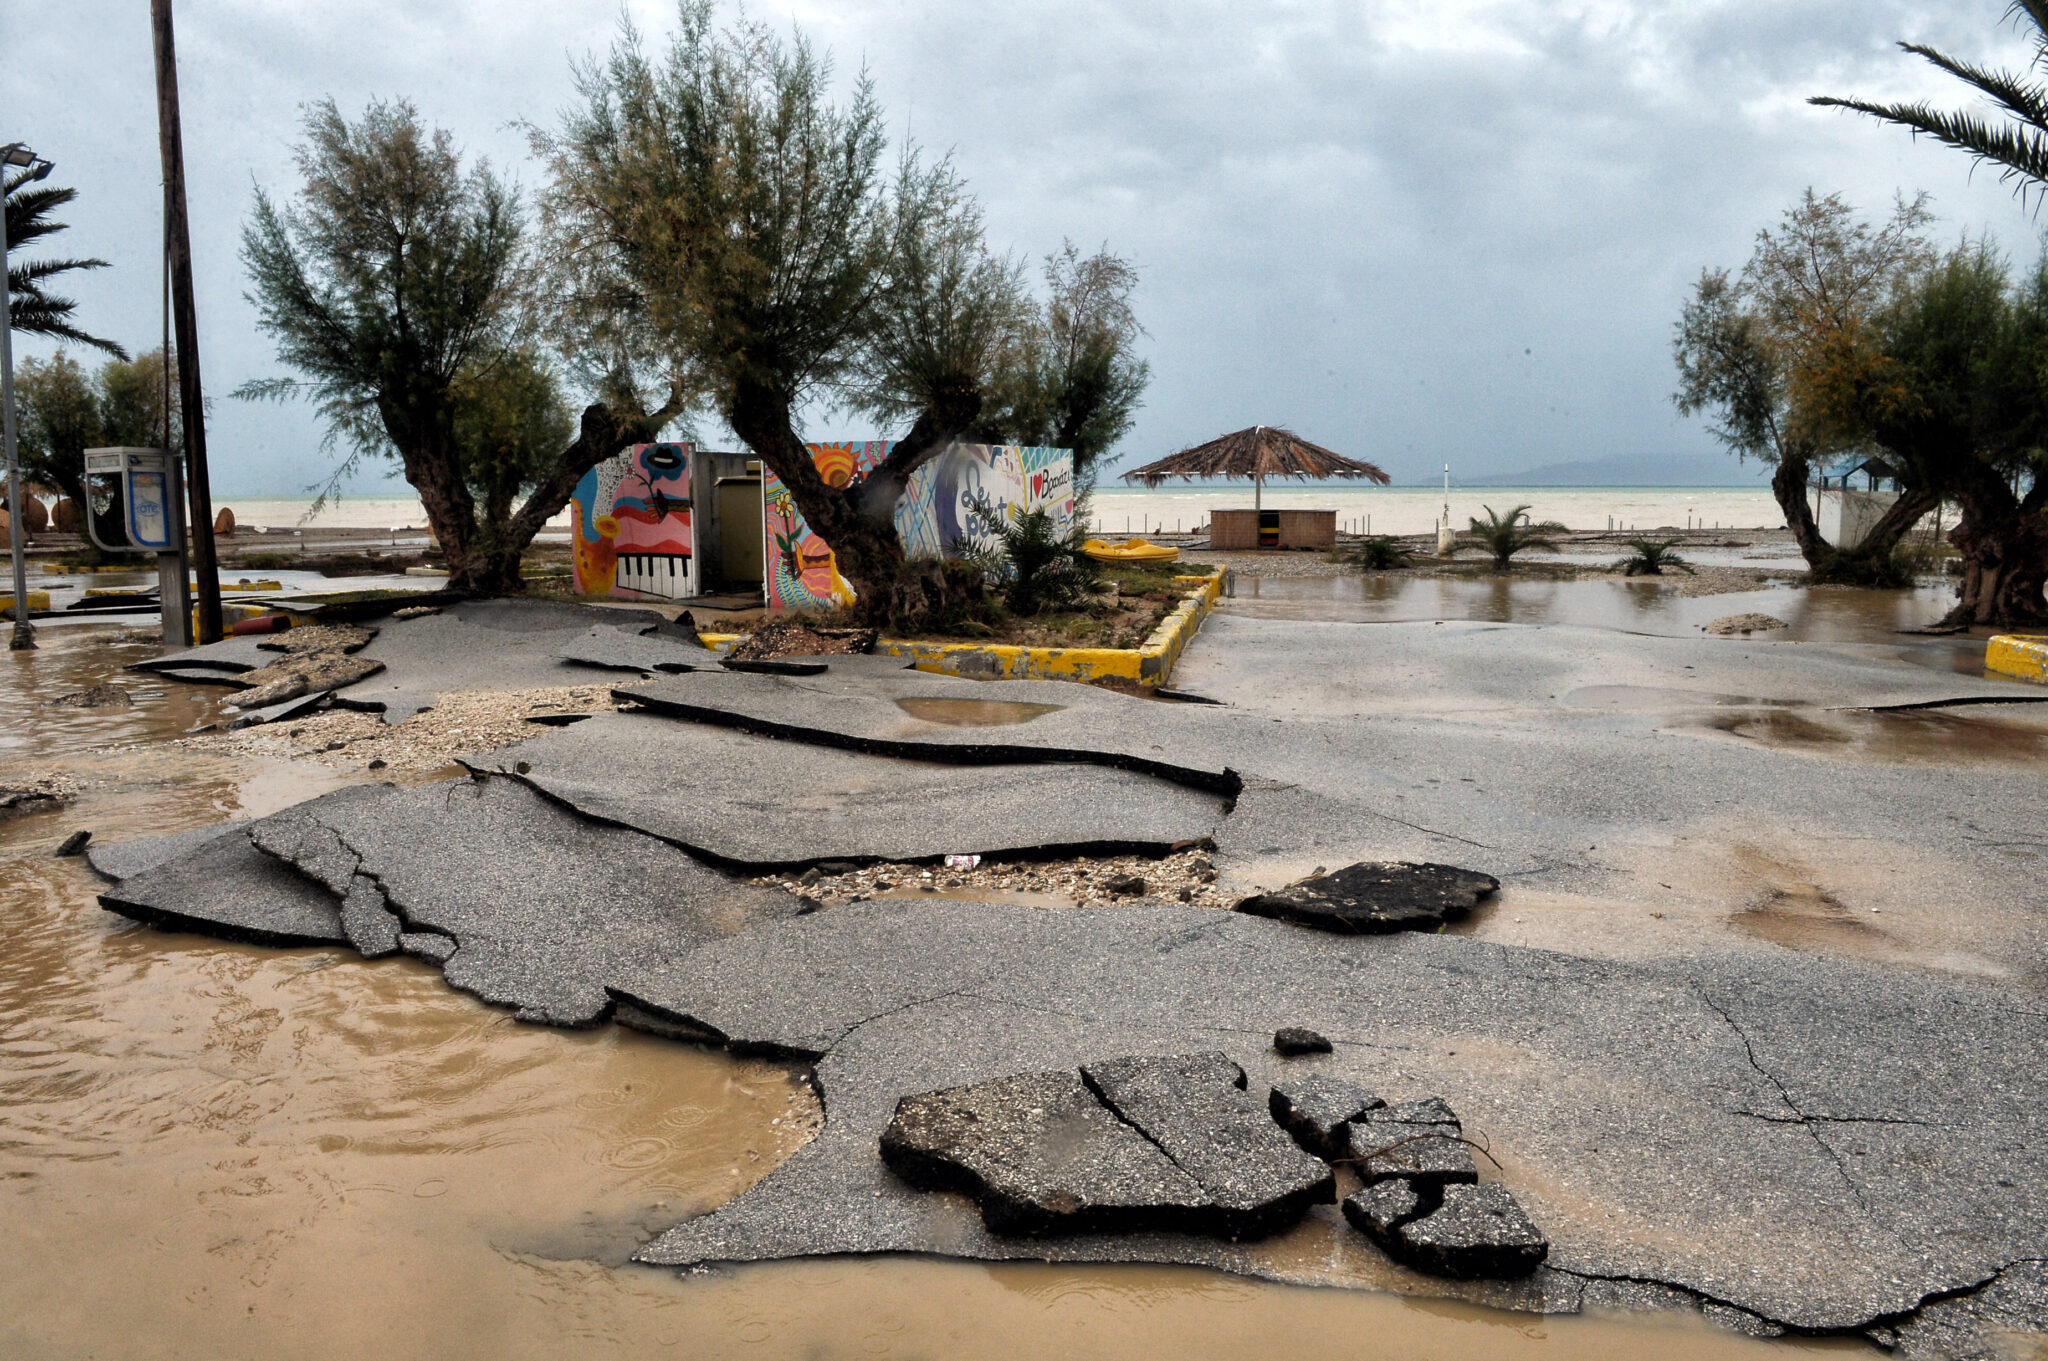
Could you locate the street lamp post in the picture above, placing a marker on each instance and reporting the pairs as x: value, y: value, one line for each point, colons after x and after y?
x: 14, y: 156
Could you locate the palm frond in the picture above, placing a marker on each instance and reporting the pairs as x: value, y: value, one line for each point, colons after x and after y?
x: 2024, y: 101
x: 2019, y: 153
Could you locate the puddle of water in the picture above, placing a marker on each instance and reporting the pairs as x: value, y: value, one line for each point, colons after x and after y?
x: 1917, y: 736
x: 1806, y: 917
x: 209, y: 1149
x: 973, y: 713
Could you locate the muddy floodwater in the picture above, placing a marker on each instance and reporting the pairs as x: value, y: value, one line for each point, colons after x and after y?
x: 209, y: 1150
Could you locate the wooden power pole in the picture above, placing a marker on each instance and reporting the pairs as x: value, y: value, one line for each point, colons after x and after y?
x: 178, y: 231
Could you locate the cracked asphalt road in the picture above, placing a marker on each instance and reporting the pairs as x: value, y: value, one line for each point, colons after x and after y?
x: 1755, y: 1026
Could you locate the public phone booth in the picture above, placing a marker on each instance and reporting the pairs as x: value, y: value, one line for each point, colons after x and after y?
x: 135, y: 503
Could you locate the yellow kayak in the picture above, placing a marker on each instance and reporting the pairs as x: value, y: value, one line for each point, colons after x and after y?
x: 1134, y: 550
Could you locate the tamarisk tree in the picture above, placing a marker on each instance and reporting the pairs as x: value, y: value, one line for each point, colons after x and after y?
x: 401, y: 288
x: 715, y: 199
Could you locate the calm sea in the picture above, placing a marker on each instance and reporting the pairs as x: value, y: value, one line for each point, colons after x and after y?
x: 1379, y: 510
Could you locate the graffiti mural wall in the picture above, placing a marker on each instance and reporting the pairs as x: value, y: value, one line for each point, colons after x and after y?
x: 798, y: 571
x: 930, y: 519
x: 630, y: 525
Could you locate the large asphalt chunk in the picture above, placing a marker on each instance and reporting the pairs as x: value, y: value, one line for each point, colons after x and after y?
x: 1371, y: 899
x: 1316, y: 1108
x: 1417, y: 1140
x: 1471, y: 1232
x: 125, y: 859
x: 1195, y: 1107
x: 227, y: 888
x: 499, y: 645
x: 547, y: 911
x: 863, y: 706
x: 755, y: 801
x: 637, y: 647
x: 1041, y: 1154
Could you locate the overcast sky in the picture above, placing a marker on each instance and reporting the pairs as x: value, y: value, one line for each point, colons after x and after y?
x: 1419, y: 231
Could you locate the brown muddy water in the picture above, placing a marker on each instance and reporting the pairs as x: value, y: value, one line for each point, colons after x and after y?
x: 973, y: 713
x: 209, y: 1150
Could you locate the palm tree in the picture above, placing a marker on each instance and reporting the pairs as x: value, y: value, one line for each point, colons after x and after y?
x: 1651, y: 557
x: 31, y: 309
x: 1506, y: 535
x: 2019, y: 147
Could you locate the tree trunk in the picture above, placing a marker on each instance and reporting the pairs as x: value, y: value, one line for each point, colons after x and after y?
x: 2004, y: 543
x: 1897, y: 521
x: 858, y: 521
x: 434, y: 467
x: 1788, y: 484
x: 484, y: 556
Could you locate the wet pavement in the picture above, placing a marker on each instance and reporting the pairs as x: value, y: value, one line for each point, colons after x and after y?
x: 1822, y: 614
x: 1745, y: 889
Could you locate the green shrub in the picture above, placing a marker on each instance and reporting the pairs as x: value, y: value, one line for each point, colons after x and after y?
x: 1380, y: 553
x: 1035, y: 566
x: 1651, y: 557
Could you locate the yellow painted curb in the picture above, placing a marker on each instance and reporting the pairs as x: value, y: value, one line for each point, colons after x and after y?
x: 37, y: 600
x: 2018, y: 654
x: 1151, y: 664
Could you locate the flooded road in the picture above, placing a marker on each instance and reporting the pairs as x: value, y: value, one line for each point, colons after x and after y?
x: 220, y: 1151
x: 1818, y: 614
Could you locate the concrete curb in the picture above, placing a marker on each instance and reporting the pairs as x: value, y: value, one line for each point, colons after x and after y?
x: 1151, y: 664
x: 2018, y: 654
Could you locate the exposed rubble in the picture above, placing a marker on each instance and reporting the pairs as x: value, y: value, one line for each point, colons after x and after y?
x: 1187, y: 876
x: 32, y: 789
x: 459, y: 723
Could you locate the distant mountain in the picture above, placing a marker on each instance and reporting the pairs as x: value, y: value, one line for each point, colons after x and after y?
x: 1629, y: 470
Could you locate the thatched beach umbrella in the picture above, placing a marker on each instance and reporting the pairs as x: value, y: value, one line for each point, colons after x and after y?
x: 1261, y: 452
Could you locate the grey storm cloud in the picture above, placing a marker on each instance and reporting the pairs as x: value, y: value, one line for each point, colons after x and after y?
x: 1421, y: 232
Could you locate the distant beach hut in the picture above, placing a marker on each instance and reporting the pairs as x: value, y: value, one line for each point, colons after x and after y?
x: 1258, y: 453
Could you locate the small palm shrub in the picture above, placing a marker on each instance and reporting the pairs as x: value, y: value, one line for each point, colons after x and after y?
x: 1503, y: 536
x: 1035, y: 566
x: 1380, y: 553
x: 1651, y: 557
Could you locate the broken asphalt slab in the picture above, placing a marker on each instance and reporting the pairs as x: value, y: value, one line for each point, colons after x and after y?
x: 224, y: 887
x: 920, y: 716
x: 1650, y: 1145
x: 1127, y: 1144
x: 478, y: 645
x: 1461, y: 1230
x: 744, y: 800
x: 1372, y: 899
x: 123, y: 859
x: 547, y: 912
x: 1196, y: 1109
x: 1693, y: 1130
x: 639, y: 648
x: 1040, y: 1154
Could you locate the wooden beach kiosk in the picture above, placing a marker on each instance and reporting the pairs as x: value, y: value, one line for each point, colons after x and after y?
x: 1258, y: 453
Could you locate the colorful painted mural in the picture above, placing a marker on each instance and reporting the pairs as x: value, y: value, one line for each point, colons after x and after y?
x: 931, y: 518
x: 630, y: 525
x: 797, y: 567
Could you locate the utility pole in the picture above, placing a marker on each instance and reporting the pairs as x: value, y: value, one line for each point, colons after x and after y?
x: 177, y: 228
x: 14, y: 156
